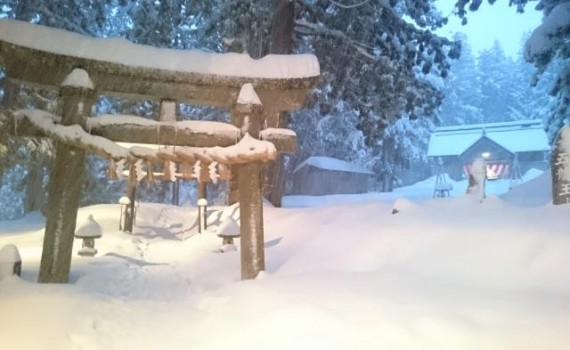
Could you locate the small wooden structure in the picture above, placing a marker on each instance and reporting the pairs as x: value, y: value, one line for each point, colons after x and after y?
x: 81, y: 68
x: 325, y: 175
x: 442, y: 188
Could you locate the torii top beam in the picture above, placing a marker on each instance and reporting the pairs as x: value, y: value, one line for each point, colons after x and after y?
x: 43, y: 56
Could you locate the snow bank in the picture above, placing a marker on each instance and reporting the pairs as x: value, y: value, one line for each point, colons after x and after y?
x: 442, y: 274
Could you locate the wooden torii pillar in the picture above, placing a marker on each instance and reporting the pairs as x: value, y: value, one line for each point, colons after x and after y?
x: 77, y: 96
x: 248, y: 116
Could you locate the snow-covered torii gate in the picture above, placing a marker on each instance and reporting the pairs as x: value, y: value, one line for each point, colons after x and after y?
x: 81, y: 68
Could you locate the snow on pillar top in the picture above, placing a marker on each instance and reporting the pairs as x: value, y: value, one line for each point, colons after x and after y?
x: 78, y: 78
x: 248, y: 96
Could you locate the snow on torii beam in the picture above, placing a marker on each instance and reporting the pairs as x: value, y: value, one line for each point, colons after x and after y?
x: 43, y: 56
x: 244, y: 151
x: 132, y: 129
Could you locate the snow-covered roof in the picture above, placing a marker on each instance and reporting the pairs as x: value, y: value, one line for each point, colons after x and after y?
x: 118, y: 50
x: 517, y: 136
x: 328, y: 163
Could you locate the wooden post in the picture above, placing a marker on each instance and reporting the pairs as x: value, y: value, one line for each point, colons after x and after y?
x: 278, y: 171
x: 203, y: 179
x: 248, y: 115
x: 132, y: 195
x: 168, y: 111
x: 168, y: 114
x: 176, y: 192
x: 561, y: 167
x: 233, y: 196
x: 202, y: 190
x: 77, y: 96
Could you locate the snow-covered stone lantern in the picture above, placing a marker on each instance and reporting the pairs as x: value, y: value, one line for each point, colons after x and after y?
x: 202, y: 213
x: 228, y: 230
x: 124, y: 202
x: 89, y: 231
x: 10, y: 261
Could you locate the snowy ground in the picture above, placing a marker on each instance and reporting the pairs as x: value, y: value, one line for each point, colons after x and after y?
x: 448, y: 273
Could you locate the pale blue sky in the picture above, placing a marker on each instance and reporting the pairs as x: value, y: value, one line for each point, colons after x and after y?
x: 492, y: 22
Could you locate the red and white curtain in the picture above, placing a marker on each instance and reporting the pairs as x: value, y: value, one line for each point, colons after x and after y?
x: 495, y: 170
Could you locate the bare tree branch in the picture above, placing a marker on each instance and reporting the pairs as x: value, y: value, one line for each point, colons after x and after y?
x: 360, y: 47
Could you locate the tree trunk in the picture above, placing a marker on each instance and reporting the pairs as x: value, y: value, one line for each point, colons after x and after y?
x: 64, y: 191
x: 281, y: 43
x: 282, y: 27
x: 233, y: 196
x: 34, y: 192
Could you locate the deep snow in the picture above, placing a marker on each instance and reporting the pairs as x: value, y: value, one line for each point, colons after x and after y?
x: 446, y: 273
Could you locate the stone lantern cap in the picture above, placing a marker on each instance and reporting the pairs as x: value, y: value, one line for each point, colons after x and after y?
x: 229, y: 228
x: 89, y: 229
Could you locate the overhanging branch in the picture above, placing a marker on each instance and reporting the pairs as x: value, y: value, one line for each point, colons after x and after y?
x: 316, y: 29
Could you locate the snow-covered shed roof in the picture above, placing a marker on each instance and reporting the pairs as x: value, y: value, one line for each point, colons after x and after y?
x: 328, y: 163
x: 516, y: 137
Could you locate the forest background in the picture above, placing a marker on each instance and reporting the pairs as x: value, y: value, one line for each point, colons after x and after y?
x: 386, y: 81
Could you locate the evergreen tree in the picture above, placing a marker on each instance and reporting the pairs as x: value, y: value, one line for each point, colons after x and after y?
x: 496, y: 71
x: 462, y: 90
x: 528, y: 101
x: 546, y: 47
